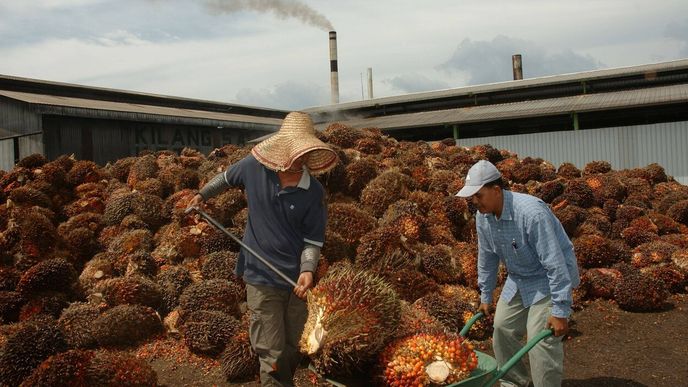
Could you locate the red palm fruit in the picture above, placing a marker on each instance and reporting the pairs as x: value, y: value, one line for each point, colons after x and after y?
x: 427, y: 359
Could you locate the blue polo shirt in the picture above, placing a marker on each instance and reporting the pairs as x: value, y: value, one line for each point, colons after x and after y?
x: 280, y: 221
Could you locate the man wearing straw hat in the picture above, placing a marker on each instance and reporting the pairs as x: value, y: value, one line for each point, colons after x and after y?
x: 286, y: 226
x: 521, y: 231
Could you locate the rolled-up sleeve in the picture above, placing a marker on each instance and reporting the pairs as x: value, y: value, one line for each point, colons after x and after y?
x: 488, y: 264
x: 542, y: 235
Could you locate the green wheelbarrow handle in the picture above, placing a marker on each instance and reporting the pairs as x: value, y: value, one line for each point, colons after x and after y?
x: 501, y: 371
x: 469, y: 324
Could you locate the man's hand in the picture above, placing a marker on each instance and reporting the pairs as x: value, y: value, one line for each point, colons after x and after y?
x: 304, y: 283
x: 560, y: 325
x: 486, y: 309
x: 196, y: 201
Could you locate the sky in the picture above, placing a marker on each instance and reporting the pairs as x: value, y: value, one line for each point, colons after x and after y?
x: 275, y: 53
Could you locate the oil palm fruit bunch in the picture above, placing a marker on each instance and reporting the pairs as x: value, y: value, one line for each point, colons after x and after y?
x: 428, y: 359
x: 352, y: 314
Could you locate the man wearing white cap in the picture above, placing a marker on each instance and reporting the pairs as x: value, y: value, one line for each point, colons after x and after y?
x: 522, y: 232
x: 286, y: 225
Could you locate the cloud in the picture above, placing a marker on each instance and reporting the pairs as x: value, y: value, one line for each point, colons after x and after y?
x: 414, y: 82
x: 120, y: 38
x: 159, y: 21
x: 289, y: 95
x: 490, y: 61
x: 679, y: 31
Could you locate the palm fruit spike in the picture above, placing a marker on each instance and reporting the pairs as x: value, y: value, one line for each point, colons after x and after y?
x: 76, y: 323
x: 595, y: 167
x: 600, y: 282
x: 428, y: 359
x: 66, y: 369
x: 406, y: 216
x: 679, y: 212
x: 126, y: 325
x: 439, y: 263
x: 447, y: 307
x: 118, y: 368
x: 670, y: 275
x: 414, y: 320
x: 128, y: 290
x: 351, y: 315
x: 410, y: 284
x: 349, y: 221
x: 358, y: 174
x: 593, y: 251
x: 52, y: 274
x: 639, y: 292
x: 680, y: 258
x: 28, y: 347
x: 568, y: 171
x: 207, y: 331
x: 652, y: 253
x: 239, y: 362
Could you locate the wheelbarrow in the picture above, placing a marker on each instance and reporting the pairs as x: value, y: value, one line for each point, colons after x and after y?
x: 487, y: 373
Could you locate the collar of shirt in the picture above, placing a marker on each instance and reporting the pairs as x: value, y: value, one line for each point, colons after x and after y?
x: 507, y: 207
x: 305, y: 181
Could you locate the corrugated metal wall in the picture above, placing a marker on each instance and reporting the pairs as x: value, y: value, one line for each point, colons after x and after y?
x: 27, y: 146
x: 624, y: 147
x: 108, y: 140
x: 6, y: 154
x: 18, y: 118
x: 30, y: 144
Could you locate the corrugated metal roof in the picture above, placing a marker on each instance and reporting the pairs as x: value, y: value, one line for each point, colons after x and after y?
x: 648, y: 69
x: 125, y: 93
x: 80, y: 103
x: 525, y: 109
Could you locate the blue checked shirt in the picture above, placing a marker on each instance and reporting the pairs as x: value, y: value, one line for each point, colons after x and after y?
x: 537, y: 253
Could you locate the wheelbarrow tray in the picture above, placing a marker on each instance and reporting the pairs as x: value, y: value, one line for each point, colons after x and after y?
x: 485, y: 374
x: 487, y: 366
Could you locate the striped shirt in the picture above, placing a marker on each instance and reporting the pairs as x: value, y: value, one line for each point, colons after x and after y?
x: 533, y: 245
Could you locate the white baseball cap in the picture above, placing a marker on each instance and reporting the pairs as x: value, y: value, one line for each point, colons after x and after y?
x: 480, y: 174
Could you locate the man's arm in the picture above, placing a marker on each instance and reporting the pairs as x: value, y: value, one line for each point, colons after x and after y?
x: 488, y: 264
x: 542, y: 236
x: 313, y: 238
x: 233, y: 176
x: 214, y: 187
x: 309, y: 263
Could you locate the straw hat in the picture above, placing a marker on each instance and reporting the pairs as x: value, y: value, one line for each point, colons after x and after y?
x: 295, y: 138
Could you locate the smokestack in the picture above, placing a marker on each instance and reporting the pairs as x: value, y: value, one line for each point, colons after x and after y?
x: 517, y: 65
x: 370, y: 83
x: 334, y: 74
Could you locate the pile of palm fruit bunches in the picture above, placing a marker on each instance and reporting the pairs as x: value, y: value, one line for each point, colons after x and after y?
x: 97, y: 259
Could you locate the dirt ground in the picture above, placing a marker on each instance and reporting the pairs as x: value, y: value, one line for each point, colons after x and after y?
x: 611, y: 347
x: 607, y: 347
